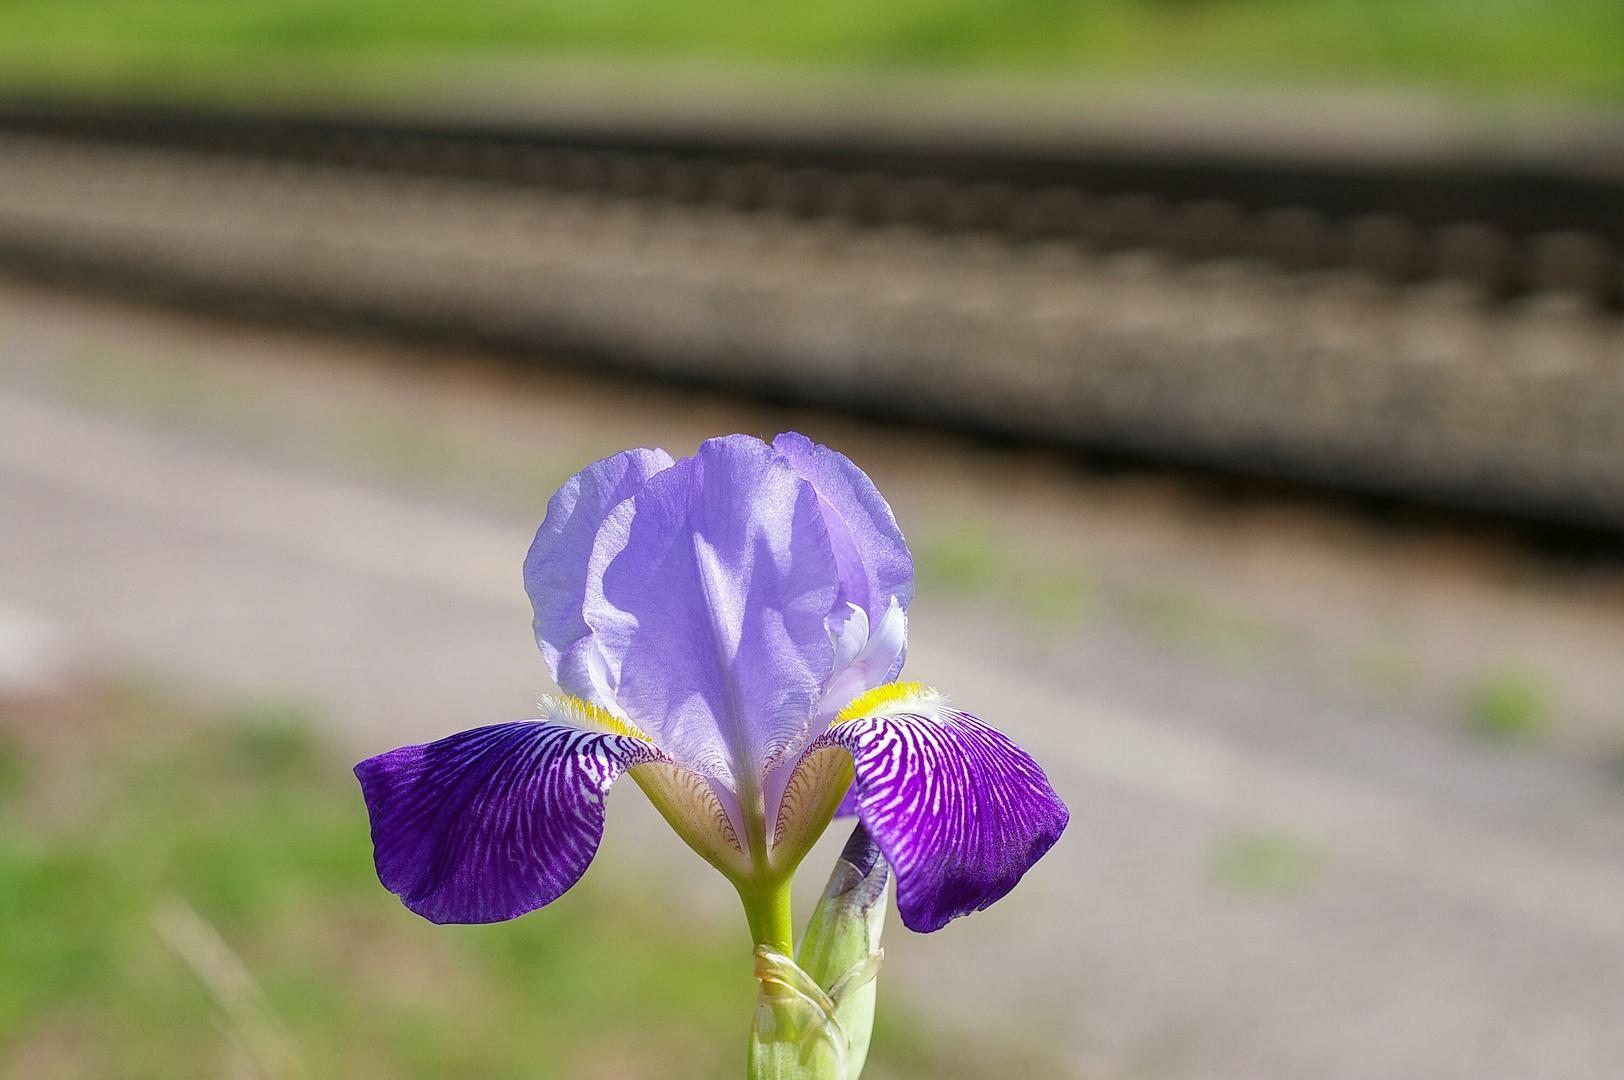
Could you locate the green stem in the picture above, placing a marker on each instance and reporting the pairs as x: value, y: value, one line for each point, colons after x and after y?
x: 767, y: 907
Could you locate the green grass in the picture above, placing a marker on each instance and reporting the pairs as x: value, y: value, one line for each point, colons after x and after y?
x: 965, y: 563
x: 115, y: 804
x: 1266, y: 864
x: 1509, y: 703
x: 1185, y: 620
x: 1563, y: 46
x: 1048, y: 596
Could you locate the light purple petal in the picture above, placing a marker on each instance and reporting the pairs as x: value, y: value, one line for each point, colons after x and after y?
x: 865, y: 657
x: 491, y: 823
x: 555, y: 568
x: 869, y: 549
x: 959, y: 810
x: 708, y: 594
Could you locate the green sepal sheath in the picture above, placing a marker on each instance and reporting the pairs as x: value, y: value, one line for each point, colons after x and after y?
x: 815, y: 1014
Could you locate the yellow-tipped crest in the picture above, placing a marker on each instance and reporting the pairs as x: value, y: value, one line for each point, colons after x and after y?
x: 587, y: 716
x: 891, y: 699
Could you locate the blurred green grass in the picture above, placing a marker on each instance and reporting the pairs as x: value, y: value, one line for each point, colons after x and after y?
x: 1050, y: 597
x: 1563, y: 46
x: 118, y: 801
x: 1510, y: 702
x: 1269, y: 863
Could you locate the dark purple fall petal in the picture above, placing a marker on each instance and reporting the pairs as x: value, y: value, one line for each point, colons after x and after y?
x: 555, y: 567
x: 848, y: 804
x: 960, y: 811
x: 707, y: 596
x: 488, y: 824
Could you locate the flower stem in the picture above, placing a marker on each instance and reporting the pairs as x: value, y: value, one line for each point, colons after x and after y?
x: 767, y: 907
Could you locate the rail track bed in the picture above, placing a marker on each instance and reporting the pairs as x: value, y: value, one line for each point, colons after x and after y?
x: 1445, y: 331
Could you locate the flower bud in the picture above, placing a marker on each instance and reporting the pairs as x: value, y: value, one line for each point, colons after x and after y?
x: 814, y: 1017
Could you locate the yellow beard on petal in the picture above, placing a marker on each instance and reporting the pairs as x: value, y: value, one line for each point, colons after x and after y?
x: 586, y: 716
x: 893, y: 699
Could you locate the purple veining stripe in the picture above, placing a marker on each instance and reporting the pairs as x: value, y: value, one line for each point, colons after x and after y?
x: 491, y: 823
x: 960, y: 811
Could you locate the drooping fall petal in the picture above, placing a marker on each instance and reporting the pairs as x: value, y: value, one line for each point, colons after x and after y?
x: 491, y: 823
x: 960, y: 811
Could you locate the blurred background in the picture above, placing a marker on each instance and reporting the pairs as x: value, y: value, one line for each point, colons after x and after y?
x: 1247, y: 376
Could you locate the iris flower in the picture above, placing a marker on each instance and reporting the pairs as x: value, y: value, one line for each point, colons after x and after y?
x: 728, y: 629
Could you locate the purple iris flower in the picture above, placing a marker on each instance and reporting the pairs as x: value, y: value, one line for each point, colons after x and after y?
x: 727, y: 629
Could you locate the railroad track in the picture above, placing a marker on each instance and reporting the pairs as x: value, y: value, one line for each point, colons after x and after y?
x: 1442, y: 331
x: 1505, y: 228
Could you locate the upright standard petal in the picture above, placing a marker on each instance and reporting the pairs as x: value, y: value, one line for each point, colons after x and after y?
x: 556, y: 566
x: 708, y: 594
x: 491, y: 823
x: 960, y: 811
x: 875, y: 566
